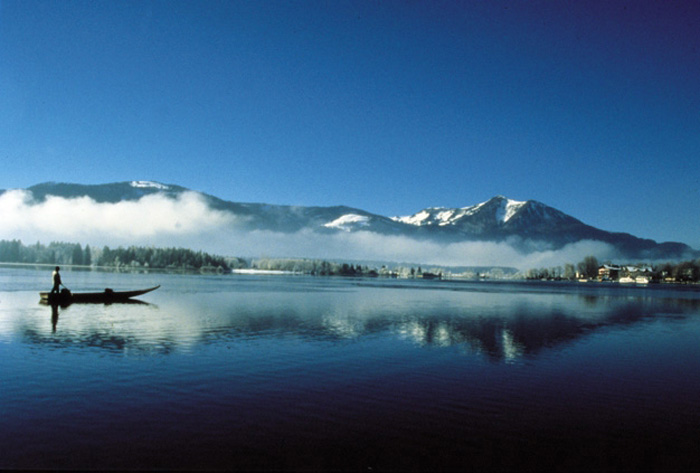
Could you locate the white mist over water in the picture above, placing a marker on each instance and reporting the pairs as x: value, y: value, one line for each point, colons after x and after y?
x: 188, y: 221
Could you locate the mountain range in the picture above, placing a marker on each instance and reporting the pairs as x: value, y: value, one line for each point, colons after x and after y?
x: 525, y: 225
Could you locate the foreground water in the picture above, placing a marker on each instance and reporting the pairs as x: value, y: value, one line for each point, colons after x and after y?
x: 283, y: 372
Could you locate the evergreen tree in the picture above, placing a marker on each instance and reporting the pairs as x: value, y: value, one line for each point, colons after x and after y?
x: 77, y: 257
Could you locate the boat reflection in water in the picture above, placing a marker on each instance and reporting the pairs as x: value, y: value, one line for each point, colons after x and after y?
x: 55, y: 312
x: 54, y: 317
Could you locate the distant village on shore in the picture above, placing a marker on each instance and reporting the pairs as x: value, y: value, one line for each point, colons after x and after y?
x: 589, y: 270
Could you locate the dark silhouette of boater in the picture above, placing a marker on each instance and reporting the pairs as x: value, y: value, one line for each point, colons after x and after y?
x: 56, y: 281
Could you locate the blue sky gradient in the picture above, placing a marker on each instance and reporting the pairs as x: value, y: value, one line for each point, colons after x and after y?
x: 590, y: 107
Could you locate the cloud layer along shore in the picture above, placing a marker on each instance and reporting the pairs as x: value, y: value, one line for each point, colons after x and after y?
x: 187, y: 221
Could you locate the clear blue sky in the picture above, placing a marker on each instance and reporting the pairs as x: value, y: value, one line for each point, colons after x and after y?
x: 389, y: 106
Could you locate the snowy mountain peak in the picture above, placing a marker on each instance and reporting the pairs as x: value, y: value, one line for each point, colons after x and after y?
x: 501, y: 209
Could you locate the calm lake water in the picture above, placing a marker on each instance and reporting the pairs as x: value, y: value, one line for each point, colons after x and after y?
x: 303, y: 373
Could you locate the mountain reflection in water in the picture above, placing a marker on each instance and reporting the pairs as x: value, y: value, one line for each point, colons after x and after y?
x: 502, y: 326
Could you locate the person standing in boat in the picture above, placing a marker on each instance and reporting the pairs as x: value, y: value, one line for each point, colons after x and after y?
x: 56, y: 281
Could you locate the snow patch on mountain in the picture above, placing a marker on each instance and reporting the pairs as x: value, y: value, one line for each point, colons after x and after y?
x: 511, y: 208
x: 445, y: 216
x: 472, y: 209
x: 348, y: 222
x: 148, y: 185
x: 416, y: 219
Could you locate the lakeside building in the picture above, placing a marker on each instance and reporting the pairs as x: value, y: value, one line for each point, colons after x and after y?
x: 625, y: 274
x: 609, y: 272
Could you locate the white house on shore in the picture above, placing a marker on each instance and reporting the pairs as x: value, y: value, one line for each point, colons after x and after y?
x: 625, y: 274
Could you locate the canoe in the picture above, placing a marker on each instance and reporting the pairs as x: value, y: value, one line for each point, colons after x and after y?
x: 108, y: 295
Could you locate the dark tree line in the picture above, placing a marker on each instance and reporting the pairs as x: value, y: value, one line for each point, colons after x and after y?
x: 686, y: 271
x: 313, y: 267
x: 13, y: 251
x: 177, y: 258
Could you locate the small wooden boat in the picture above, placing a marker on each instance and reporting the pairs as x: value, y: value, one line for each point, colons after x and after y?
x: 66, y: 297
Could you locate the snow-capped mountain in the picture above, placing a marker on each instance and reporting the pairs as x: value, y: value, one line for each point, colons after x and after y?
x: 526, y: 222
x: 499, y: 209
x: 498, y: 215
x: 525, y: 225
